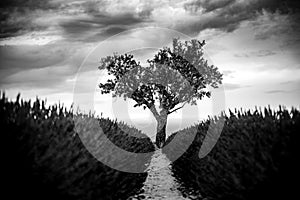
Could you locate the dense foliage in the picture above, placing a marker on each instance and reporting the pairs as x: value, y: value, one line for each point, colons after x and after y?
x: 255, y: 157
x: 44, y: 158
x: 173, y: 76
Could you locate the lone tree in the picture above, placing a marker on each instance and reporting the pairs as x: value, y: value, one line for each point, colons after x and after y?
x: 173, y: 78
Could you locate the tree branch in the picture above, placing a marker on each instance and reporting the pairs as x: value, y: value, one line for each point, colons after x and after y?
x: 170, y: 112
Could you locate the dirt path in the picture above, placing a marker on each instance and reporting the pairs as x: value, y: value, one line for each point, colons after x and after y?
x: 160, y: 183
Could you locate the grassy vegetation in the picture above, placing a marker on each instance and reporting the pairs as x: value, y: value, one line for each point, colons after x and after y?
x: 44, y: 158
x: 255, y: 157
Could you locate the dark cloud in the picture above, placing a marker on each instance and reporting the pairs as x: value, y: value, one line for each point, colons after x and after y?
x: 113, y: 30
x: 236, y: 6
x: 31, y: 4
x: 29, y: 57
x: 227, y: 15
x: 81, y: 25
x: 226, y: 23
x: 14, y: 23
x: 286, y: 27
x: 260, y: 53
x: 38, y: 65
x: 99, y: 26
x: 207, y: 5
x: 16, y: 16
x: 77, y: 17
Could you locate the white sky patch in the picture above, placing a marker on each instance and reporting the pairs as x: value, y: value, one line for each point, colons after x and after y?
x: 33, y: 38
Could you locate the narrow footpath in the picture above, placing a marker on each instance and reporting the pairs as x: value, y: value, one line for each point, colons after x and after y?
x: 160, y: 183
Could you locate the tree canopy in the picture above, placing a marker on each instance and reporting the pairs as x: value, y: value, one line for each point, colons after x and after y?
x: 174, y: 77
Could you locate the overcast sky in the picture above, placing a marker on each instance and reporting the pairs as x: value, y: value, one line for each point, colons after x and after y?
x: 254, y: 43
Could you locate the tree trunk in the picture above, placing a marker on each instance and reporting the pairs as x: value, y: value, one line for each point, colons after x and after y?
x: 161, y: 131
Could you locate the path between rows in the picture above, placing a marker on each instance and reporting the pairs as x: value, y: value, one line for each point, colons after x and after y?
x: 160, y: 182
